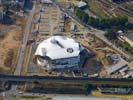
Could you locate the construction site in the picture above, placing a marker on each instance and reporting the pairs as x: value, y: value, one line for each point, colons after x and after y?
x: 10, y: 41
x: 50, y: 21
x: 49, y: 44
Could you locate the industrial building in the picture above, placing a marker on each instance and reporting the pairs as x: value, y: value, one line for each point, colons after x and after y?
x: 58, y: 52
x: 118, y: 64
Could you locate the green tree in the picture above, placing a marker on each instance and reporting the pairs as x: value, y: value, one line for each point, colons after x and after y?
x: 102, y: 23
x: 111, y: 35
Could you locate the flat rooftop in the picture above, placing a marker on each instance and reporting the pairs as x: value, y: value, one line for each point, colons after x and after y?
x: 121, y: 64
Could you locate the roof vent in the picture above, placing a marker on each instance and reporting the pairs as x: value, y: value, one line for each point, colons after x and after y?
x: 54, y: 41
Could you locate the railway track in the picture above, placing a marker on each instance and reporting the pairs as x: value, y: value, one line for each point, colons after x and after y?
x: 80, y: 80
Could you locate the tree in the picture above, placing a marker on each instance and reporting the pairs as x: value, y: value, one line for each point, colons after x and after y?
x: 111, y: 35
x: 81, y: 15
x: 102, y: 23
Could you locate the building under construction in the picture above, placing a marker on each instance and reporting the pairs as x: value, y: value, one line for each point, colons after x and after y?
x: 59, y: 52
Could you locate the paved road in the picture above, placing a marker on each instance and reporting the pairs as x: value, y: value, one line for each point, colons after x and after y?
x: 79, y: 97
x: 97, y: 33
x: 8, y: 95
x: 24, y: 42
x: 64, y: 96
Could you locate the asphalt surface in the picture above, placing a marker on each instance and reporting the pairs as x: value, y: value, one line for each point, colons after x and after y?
x: 24, y: 43
x: 80, y: 97
x: 64, y: 96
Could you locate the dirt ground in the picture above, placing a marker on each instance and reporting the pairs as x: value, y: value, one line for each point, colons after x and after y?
x: 9, y: 46
x: 1, y: 98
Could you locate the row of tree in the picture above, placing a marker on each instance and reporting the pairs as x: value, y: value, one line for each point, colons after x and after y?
x: 101, y: 23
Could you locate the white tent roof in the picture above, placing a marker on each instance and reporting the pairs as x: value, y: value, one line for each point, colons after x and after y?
x: 57, y: 47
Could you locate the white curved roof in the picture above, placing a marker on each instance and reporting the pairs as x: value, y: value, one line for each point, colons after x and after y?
x: 57, y: 47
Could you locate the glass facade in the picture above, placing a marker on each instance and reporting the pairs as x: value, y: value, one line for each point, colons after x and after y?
x: 65, y: 63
